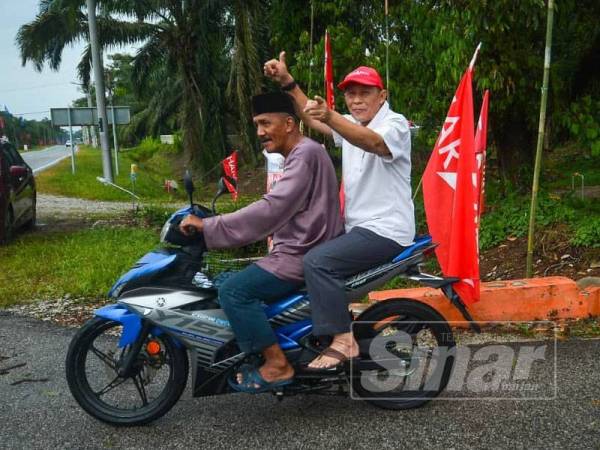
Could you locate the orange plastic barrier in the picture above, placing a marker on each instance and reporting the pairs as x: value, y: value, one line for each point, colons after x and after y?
x: 512, y: 300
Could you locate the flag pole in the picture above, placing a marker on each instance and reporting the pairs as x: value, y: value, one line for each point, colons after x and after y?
x: 474, y: 58
x: 387, y: 54
x: 310, y: 64
x: 540, y: 141
x: 310, y: 51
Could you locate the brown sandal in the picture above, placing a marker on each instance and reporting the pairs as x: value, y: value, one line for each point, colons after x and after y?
x: 332, y: 353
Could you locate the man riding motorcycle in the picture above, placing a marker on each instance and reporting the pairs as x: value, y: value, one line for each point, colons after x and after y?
x: 301, y: 211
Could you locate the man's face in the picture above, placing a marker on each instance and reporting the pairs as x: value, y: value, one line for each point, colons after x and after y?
x: 363, y: 102
x: 272, y: 130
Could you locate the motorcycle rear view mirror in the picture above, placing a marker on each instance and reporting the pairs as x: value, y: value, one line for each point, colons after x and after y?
x: 221, y: 189
x: 189, y: 186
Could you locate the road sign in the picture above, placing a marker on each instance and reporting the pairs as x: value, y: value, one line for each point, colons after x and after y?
x: 88, y: 116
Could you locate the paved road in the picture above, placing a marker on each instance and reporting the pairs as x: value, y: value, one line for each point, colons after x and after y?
x: 42, y: 159
x: 43, y: 415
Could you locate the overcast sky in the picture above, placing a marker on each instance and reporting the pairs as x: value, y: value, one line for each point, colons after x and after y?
x: 22, y: 89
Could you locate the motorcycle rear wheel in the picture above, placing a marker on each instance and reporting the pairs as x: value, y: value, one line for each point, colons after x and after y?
x: 156, y: 384
x: 402, y: 330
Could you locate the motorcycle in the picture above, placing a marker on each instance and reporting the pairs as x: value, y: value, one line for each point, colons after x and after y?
x: 129, y: 364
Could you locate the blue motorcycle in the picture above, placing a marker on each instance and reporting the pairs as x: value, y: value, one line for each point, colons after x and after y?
x: 129, y: 364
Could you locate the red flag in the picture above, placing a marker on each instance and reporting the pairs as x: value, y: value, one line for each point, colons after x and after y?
x: 481, y: 146
x: 329, y: 98
x: 328, y: 73
x: 230, y: 167
x: 450, y: 194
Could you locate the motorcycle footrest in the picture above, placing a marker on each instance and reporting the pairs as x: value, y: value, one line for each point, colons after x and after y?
x: 377, y: 364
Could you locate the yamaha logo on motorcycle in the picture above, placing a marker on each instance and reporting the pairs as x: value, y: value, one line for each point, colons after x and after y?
x: 129, y: 364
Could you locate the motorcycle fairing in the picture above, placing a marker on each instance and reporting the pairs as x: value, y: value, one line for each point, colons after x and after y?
x: 420, y: 242
x: 289, y: 335
x: 149, y: 264
x: 285, y: 305
x: 163, y: 297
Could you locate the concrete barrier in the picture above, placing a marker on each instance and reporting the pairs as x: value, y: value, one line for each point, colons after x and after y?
x: 529, y: 299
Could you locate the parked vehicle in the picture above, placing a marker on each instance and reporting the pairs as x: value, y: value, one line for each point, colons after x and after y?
x: 129, y: 364
x: 17, y: 193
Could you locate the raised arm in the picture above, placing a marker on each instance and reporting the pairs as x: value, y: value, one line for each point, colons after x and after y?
x: 358, y: 135
x: 276, y: 69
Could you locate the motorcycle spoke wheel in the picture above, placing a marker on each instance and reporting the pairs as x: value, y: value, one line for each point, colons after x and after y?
x: 155, y: 384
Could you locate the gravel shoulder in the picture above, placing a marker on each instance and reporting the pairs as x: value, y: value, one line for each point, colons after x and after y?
x: 53, y: 206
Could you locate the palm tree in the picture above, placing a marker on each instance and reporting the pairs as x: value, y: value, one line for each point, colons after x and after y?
x: 184, y: 56
x: 246, y: 77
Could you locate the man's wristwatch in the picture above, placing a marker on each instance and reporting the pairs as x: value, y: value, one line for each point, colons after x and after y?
x: 289, y: 86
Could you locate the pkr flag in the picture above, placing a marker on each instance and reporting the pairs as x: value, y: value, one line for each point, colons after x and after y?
x: 481, y: 146
x: 451, y: 194
x: 230, y: 167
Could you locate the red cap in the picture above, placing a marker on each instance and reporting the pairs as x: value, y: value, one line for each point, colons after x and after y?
x: 362, y: 75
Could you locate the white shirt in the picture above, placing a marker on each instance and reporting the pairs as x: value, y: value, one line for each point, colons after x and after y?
x: 377, y: 189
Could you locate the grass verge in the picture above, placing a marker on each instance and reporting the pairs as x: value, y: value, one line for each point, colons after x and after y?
x: 82, y: 263
x: 153, y: 169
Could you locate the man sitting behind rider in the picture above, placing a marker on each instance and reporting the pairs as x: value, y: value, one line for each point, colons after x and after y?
x: 379, y: 217
x: 301, y: 211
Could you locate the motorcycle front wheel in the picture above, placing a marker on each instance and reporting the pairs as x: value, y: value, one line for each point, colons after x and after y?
x: 157, y: 381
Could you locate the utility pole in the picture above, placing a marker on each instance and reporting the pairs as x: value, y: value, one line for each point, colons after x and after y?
x: 100, y: 92
x: 72, y: 142
x: 91, y: 130
x: 111, y: 92
x: 540, y: 141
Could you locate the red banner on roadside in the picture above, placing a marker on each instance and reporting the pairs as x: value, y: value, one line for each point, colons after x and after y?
x: 230, y: 167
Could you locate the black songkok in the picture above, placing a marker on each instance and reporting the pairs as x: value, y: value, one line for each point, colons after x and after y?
x: 273, y: 102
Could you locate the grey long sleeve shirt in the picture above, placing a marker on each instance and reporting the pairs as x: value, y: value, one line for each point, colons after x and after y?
x: 301, y: 211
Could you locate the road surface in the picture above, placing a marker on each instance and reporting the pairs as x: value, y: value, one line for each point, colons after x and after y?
x: 40, y: 413
x: 40, y: 160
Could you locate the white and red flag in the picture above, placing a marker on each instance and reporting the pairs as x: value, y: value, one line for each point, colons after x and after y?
x: 230, y: 167
x: 481, y: 146
x: 451, y: 194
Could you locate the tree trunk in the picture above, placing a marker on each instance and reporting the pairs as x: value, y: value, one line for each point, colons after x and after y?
x: 191, y: 123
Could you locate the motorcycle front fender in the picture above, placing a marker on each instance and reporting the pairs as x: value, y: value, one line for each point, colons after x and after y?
x: 132, y: 323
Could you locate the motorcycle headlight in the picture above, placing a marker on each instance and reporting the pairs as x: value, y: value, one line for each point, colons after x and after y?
x: 164, y: 231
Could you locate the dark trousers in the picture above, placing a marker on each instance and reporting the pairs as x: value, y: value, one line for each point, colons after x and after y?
x: 328, y: 265
x: 241, y: 296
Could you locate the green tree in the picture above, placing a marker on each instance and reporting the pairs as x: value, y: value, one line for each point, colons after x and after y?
x: 431, y: 43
